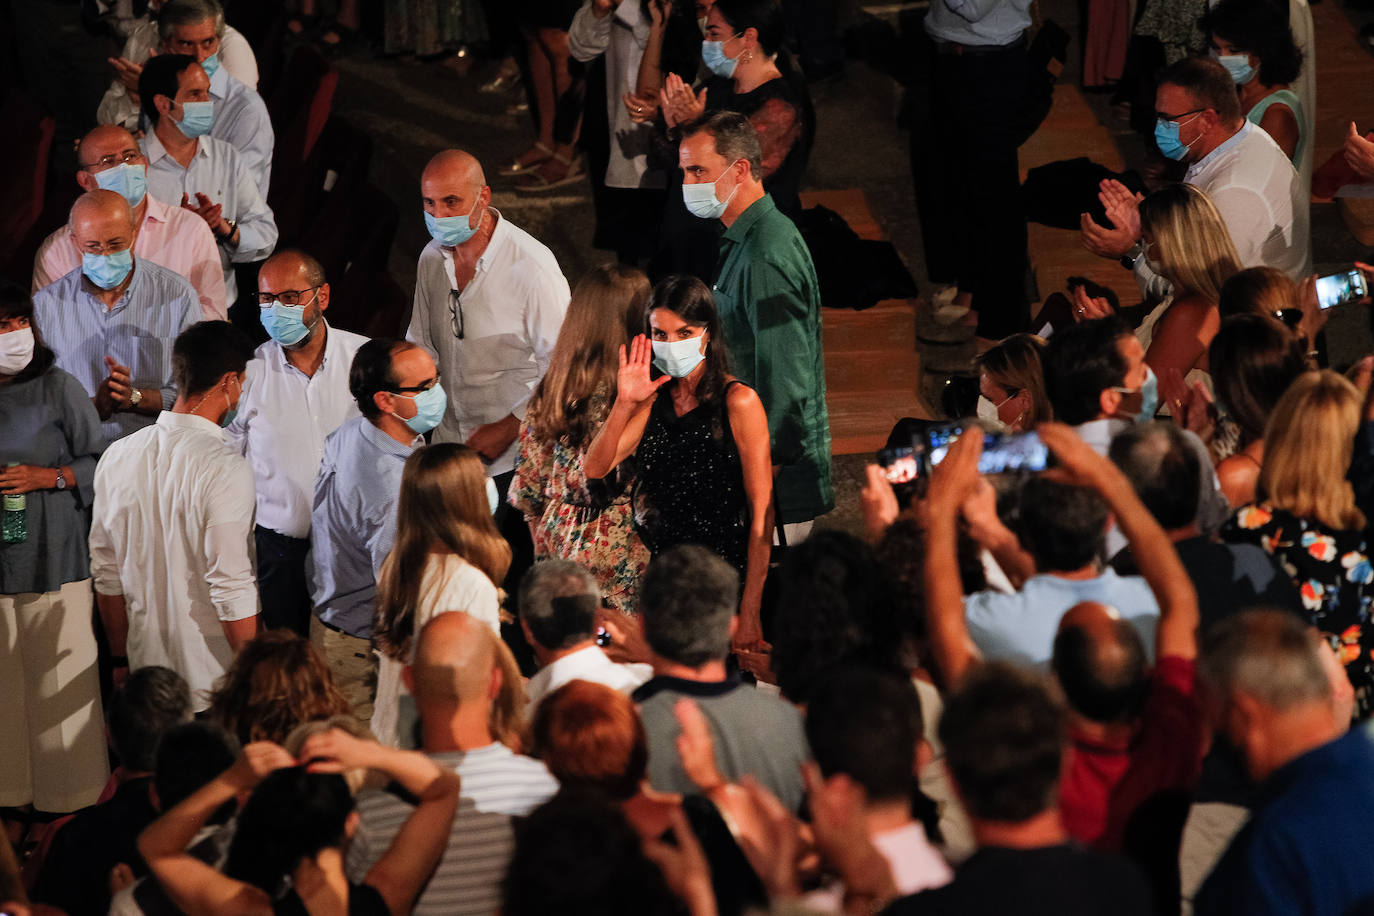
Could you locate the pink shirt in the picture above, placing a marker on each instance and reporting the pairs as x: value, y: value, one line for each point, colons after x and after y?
x: 170, y: 237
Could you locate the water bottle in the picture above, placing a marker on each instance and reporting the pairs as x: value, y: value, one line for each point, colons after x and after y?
x: 14, y: 521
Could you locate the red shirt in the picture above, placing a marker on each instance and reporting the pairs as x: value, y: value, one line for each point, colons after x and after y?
x: 1105, y: 783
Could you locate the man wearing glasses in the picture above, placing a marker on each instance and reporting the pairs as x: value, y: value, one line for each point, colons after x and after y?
x: 171, y: 236
x: 112, y: 320
x: 353, y: 518
x: 295, y: 393
x: 1250, y: 179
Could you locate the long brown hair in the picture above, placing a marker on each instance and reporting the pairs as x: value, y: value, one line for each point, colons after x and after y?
x: 1015, y: 365
x: 276, y: 682
x: 442, y: 508
x: 1307, y: 448
x: 1196, y: 253
x: 604, y: 313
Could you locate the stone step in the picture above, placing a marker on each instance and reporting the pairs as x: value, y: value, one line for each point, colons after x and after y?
x: 873, y: 370
x: 861, y: 420
x: 891, y: 323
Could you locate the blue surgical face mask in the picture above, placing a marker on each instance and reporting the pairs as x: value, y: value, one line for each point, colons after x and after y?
x: 1238, y: 65
x: 211, y: 65
x: 429, y: 409
x: 196, y: 119
x: 713, y: 56
x: 1166, y: 138
x: 127, y: 180
x: 701, y: 200
x: 679, y: 357
x: 1149, y: 396
x: 107, y: 270
x: 286, y: 323
x: 451, y: 231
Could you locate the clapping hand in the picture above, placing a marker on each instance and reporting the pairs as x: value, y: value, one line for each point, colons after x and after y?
x: 127, y: 72
x: 633, y: 384
x: 212, y: 213
x: 680, y: 104
x: 1190, y: 405
x: 114, y: 391
x: 1359, y: 152
x: 1087, y: 308
x: 1122, y: 212
x: 641, y: 108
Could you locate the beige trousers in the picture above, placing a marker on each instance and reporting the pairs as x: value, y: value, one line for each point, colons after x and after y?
x: 52, y: 733
x: 353, y: 664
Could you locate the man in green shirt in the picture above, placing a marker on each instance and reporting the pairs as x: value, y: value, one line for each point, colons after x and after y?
x: 770, y: 307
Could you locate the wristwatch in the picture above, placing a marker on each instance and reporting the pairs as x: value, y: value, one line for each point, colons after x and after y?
x: 233, y: 225
x: 135, y: 397
x: 61, y: 481
x: 1132, y: 255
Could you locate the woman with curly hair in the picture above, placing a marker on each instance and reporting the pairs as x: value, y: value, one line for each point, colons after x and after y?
x: 277, y: 681
x: 1306, y: 518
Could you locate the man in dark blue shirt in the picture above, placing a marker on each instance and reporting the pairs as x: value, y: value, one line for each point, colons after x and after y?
x: 1307, y: 847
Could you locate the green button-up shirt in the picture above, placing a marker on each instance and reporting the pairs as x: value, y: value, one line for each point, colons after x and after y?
x: 770, y: 309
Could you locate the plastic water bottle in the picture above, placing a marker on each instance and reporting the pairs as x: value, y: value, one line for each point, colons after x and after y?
x: 14, y: 521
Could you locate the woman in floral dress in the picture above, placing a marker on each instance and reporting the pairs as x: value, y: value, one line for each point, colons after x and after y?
x: 1307, y: 520
x: 589, y: 523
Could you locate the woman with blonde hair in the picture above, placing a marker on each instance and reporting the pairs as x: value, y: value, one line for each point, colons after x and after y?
x: 1307, y: 519
x: 570, y: 517
x: 447, y: 556
x: 276, y: 682
x: 1011, y: 384
x: 1188, y: 244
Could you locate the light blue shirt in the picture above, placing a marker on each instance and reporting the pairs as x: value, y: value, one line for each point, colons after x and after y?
x: 241, y: 120
x: 221, y: 173
x: 138, y: 332
x: 978, y: 22
x: 353, y: 522
x: 1020, y: 627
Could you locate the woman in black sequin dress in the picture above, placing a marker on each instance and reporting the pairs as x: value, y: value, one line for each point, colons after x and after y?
x: 700, y: 445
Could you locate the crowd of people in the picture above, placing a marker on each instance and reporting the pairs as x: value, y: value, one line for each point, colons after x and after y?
x: 522, y: 610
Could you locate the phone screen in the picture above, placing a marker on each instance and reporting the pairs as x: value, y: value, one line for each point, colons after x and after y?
x: 898, y: 464
x: 1002, y: 452
x: 1336, y: 289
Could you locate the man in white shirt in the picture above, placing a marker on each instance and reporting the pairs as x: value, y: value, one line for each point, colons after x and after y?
x: 1252, y: 182
x: 295, y: 393
x: 172, y: 525
x: 558, y: 604
x: 171, y: 236
x: 207, y: 175
x: 455, y: 679
x: 120, y: 104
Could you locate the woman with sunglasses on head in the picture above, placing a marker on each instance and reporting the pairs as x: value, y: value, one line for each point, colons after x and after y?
x: 699, y: 440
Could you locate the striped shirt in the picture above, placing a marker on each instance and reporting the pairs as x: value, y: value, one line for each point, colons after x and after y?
x: 498, y: 785
x: 137, y: 332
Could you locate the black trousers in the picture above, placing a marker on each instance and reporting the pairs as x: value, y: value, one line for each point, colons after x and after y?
x: 283, y: 585
x: 963, y: 161
x: 511, y: 523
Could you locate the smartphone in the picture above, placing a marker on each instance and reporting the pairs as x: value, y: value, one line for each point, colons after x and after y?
x: 899, y: 464
x: 1002, y: 452
x: 1338, y: 289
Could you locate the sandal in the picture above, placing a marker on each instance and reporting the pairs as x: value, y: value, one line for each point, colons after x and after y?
x: 536, y: 182
x: 518, y: 167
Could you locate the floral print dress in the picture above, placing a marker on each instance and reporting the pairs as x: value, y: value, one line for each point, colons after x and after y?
x: 1332, y: 572
x: 589, y: 523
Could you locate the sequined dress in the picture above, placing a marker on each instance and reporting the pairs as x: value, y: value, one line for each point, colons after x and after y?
x: 689, y: 482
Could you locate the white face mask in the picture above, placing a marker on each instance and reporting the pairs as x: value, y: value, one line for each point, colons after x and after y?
x: 988, y: 414
x: 16, y: 351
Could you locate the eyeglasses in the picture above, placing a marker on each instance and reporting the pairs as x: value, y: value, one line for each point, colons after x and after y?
x: 285, y: 297
x: 415, y: 389
x: 455, y: 313
x: 128, y: 157
x: 1168, y: 117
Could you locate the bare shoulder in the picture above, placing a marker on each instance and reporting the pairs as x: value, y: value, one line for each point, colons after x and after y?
x: 741, y: 396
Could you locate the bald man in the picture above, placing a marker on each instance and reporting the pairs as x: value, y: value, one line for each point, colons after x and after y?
x: 112, y: 320
x: 455, y: 677
x: 295, y: 394
x: 174, y: 237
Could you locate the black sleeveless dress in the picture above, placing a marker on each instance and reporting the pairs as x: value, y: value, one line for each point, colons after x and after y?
x: 689, y: 482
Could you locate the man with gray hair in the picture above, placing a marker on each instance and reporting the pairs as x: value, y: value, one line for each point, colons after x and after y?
x: 1164, y: 468
x: 558, y: 604
x: 687, y: 604
x: 769, y: 301
x: 1308, y: 846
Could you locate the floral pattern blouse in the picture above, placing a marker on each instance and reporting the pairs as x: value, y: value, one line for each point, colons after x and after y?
x: 1332, y: 572
x: 592, y: 525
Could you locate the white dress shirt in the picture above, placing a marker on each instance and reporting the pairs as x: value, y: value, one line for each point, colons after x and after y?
x: 171, y: 236
x: 118, y: 105
x: 1261, y: 200
x: 284, y: 417
x: 511, y: 313
x: 589, y: 664
x: 978, y: 22
x: 172, y: 531
x: 221, y: 173
x: 241, y: 120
